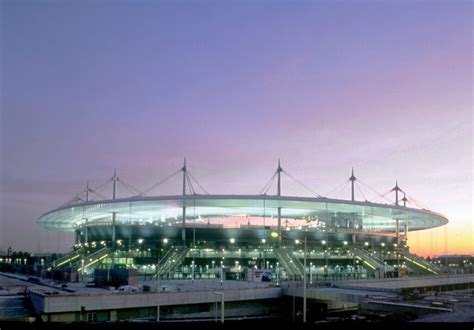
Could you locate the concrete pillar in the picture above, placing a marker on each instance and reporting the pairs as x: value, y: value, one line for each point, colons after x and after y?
x: 183, y: 229
x: 113, y: 315
x: 279, y: 226
x: 398, y: 232
x: 158, y: 313
x: 86, y: 232
x: 114, y: 238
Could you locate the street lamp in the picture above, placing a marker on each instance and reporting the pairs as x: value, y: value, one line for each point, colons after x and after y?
x: 222, y: 271
x: 304, y: 274
x: 263, y: 242
x: 220, y: 293
x: 278, y: 272
x: 304, y: 282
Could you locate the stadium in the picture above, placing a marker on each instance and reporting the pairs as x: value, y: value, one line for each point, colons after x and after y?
x: 262, y: 237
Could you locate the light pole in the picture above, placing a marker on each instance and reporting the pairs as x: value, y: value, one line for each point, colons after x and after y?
x: 222, y: 304
x: 222, y: 271
x: 278, y: 272
x: 304, y: 282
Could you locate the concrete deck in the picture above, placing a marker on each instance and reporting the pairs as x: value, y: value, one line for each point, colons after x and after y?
x: 398, y: 284
x: 199, y: 292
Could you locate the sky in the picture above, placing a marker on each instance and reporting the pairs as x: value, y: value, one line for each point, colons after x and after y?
x: 381, y: 86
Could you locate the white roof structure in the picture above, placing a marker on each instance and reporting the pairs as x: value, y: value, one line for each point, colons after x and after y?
x: 168, y: 209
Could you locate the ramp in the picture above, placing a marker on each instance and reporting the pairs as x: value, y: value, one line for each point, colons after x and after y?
x: 173, y: 258
x: 371, y: 262
x: 287, y: 259
x: 421, y: 264
x: 66, y: 260
x: 92, y: 259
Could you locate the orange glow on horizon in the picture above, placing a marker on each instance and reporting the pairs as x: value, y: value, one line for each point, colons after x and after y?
x: 449, y: 239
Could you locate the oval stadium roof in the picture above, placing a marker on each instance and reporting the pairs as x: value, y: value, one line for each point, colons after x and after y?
x: 374, y: 217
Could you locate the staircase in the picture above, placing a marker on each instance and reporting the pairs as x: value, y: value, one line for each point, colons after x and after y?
x: 171, y: 260
x: 421, y: 264
x: 292, y: 265
x: 92, y: 259
x: 371, y: 262
x: 67, y: 259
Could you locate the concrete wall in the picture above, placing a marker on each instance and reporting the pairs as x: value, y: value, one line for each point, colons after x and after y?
x: 119, y: 306
x: 409, y: 282
x: 401, y: 308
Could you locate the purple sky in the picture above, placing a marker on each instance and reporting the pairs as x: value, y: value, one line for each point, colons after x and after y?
x: 88, y: 86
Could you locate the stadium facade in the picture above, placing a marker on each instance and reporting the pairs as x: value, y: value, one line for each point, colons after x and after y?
x: 200, y: 236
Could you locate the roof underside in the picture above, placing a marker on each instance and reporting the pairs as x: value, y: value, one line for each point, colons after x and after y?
x: 314, y: 211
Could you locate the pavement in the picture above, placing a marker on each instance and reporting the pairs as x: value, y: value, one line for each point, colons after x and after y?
x: 13, y: 304
x: 460, y: 301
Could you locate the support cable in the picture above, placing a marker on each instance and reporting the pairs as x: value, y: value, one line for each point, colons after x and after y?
x: 98, y: 194
x: 342, y: 189
x: 302, y: 184
x: 190, y: 184
x: 268, y: 184
x: 160, y: 182
x: 71, y: 201
x: 102, y: 185
x: 361, y: 192
x: 336, y: 188
x: 375, y: 191
x: 130, y: 188
x: 197, y: 182
x: 413, y: 201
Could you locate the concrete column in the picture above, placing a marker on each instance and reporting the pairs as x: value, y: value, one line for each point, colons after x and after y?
x: 183, y: 229
x: 398, y: 232
x: 279, y: 226
x: 220, y: 293
x: 158, y: 313
x: 114, y: 238
x: 86, y: 232
x: 353, y: 249
x: 113, y: 315
x: 222, y: 308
